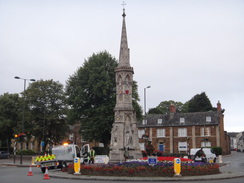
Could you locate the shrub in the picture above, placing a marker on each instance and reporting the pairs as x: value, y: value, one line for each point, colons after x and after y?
x: 217, y: 150
x: 26, y: 152
x: 101, y: 150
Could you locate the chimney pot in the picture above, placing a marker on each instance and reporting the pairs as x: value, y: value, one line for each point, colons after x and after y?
x: 219, y: 107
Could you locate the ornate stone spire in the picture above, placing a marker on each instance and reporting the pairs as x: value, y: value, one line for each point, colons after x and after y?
x: 124, y: 134
x: 124, y: 55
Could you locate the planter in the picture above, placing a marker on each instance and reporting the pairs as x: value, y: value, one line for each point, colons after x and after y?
x: 71, y: 169
x: 142, y: 169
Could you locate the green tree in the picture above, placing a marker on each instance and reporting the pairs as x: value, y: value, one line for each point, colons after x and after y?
x: 10, y: 117
x: 199, y: 103
x: 135, y: 99
x: 155, y: 111
x: 46, y: 101
x: 91, y: 96
x: 185, y: 107
x: 163, y: 107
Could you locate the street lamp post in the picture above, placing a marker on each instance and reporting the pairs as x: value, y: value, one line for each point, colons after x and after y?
x: 145, y: 111
x: 23, y: 118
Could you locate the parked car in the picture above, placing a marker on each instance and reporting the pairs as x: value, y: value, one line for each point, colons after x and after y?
x: 4, y: 154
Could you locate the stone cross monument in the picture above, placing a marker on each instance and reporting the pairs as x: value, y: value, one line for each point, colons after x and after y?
x: 124, y: 135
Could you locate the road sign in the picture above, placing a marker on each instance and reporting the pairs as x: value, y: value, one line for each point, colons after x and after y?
x: 177, y: 161
x: 152, y: 160
x: 76, y: 160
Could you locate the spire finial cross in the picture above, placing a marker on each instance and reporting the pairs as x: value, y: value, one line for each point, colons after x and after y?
x: 123, y: 4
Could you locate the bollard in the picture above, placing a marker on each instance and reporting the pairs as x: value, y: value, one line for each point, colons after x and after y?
x: 77, y: 166
x: 33, y: 160
x: 177, y: 166
x: 220, y: 159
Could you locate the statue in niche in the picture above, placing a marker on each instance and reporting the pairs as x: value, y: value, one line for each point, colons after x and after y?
x: 115, y: 136
x: 120, y: 89
x: 128, y: 135
x: 115, y: 131
x: 117, y: 117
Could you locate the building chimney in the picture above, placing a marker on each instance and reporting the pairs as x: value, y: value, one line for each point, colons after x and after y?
x: 172, y: 108
x: 219, y: 107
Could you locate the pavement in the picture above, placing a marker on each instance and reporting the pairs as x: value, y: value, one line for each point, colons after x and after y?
x: 227, y: 172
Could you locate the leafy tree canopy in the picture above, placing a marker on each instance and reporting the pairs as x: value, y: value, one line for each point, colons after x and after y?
x: 155, y: 111
x: 163, y: 107
x: 199, y: 103
x: 46, y: 102
x: 10, y: 116
x: 91, y: 96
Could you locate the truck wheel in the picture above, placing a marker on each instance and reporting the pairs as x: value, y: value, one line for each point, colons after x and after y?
x: 43, y: 169
x: 64, y: 165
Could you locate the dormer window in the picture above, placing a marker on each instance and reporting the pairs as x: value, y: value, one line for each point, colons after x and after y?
x: 208, y: 119
x: 160, y: 121
x: 144, y: 121
x: 182, y: 120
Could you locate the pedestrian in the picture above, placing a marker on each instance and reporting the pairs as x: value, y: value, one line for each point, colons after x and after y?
x: 92, y: 156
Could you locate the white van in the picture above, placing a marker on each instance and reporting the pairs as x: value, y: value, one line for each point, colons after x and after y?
x: 203, y: 154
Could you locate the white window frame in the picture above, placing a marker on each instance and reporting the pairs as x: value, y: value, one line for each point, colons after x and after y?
x: 182, y: 132
x: 205, y: 131
x: 144, y: 121
x: 182, y: 120
x: 160, y: 121
x: 208, y: 144
x: 141, y: 132
x: 161, y: 132
x: 208, y: 119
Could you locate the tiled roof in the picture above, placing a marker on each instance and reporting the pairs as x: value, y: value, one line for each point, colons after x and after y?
x: 242, y: 137
x: 173, y: 119
x: 232, y: 134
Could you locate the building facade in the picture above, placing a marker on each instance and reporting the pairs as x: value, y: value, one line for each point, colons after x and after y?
x: 179, y: 132
x: 240, y: 142
x: 233, y: 140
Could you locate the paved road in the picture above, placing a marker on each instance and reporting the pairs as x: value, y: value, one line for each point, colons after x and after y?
x: 234, y: 162
x: 10, y: 174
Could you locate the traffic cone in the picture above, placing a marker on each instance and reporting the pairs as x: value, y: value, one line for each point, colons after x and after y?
x: 46, y: 176
x: 30, y: 172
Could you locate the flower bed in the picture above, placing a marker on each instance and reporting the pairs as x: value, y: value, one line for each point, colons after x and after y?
x: 162, y: 169
x: 161, y: 158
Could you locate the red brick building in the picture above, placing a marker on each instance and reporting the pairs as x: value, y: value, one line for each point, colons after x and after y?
x: 179, y: 132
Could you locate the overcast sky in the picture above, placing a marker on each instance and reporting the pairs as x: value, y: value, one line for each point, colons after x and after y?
x: 178, y: 47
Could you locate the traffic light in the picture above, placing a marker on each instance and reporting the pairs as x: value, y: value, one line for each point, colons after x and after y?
x: 16, y: 135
